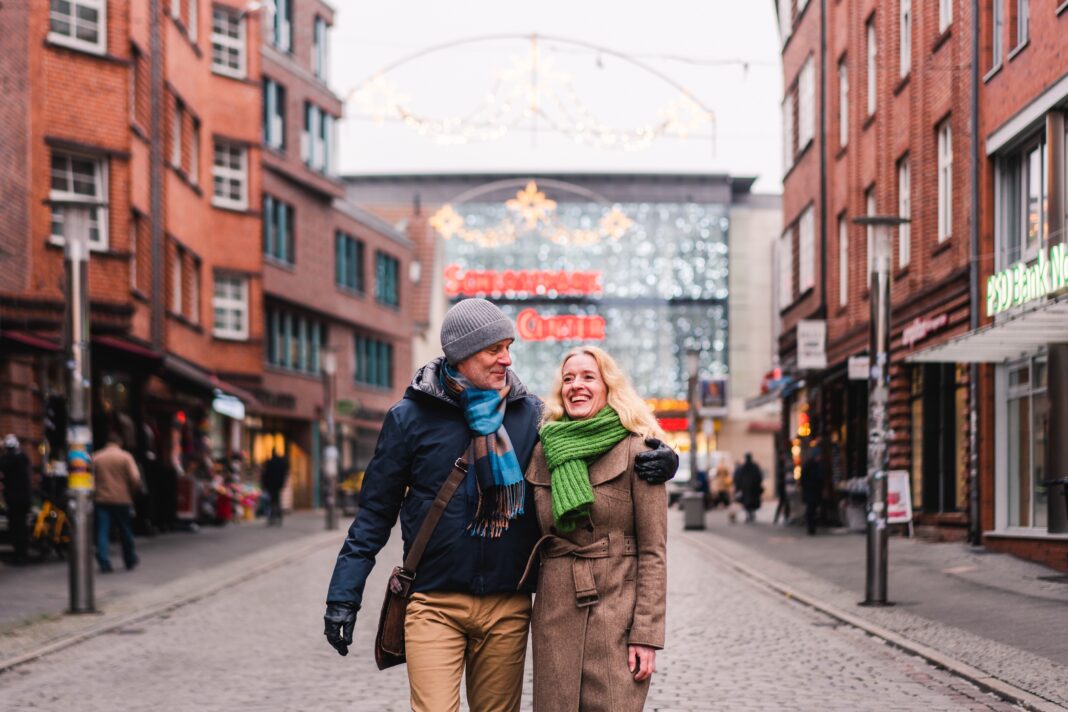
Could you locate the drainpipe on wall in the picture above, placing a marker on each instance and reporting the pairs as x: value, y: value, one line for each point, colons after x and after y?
x: 975, y: 530
x: 823, y: 195
x: 155, y: 169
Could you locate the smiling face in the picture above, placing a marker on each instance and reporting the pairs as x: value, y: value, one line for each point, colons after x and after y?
x: 488, y: 369
x: 583, y: 391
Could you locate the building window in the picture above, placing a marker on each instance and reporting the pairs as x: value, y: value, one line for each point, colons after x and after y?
x: 945, y: 181
x: 294, y: 341
x: 79, y: 24
x: 176, y: 133
x: 1023, y: 18
x: 785, y: 19
x: 786, y: 269
x: 194, y: 156
x: 230, y: 173
x: 997, y: 30
x: 282, y: 24
x: 278, y: 222
x: 806, y: 104
x: 387, y: 287
x: 185, y: 11
x: 806, y: 250
x: 843, y: 103
x: 945, y: 15
x: 1023, y: 200
x: 1028, y: 433
x: 230, y: 305
x: 843, y: 260
x: 316, y: 142
x: 872, y: 59
x: 801, y: 5
x: 274, y: 114
x: 176, y: 279
x: 348, y: 262
x: 227, y: 42
x: 139, y: 82
x: 788, y: 148
x: 321, y: 49
x: 869, y: 210
x: 78, y: 197
x: 905, y: 30
x: 194, y: 291
x: 373, y: 363
x: 904, y: 210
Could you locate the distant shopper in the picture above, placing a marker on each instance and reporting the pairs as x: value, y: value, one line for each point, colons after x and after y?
x: 275, y: 474
x: 783, y: 471
x: 812, y: 478
x: 721, y: 487
x: 748, y: 486
x: 117, y: 479
x: 16, y: 471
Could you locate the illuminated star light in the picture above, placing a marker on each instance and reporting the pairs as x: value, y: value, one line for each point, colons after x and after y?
x: 532, y: 205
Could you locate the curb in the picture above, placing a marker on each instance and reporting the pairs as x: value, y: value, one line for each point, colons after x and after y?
x: 247, y: 573
x: 979, y: 678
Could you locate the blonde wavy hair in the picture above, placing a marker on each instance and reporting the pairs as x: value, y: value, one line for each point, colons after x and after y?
x: 634, y: 413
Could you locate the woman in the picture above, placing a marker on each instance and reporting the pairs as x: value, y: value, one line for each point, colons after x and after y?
x: 598, y: 617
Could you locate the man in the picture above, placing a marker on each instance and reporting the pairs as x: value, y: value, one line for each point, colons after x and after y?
x: 117, y: 479
x: 15, y: 468
x: 466, y: 608
x: 783, y: 470
x: 275, y: 474
x: 812, y: 485
x: 748, y: 483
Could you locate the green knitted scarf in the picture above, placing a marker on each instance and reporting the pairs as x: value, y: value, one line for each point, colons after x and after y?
x: 570, y: 446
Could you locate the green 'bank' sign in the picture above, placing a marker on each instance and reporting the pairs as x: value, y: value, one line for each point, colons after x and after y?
x: 1024, y: 283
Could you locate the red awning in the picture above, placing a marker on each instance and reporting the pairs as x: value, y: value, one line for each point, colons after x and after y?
x: 22, y: 338
x: 129, y: 347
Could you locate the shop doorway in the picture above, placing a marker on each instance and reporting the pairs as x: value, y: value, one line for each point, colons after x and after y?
x: 938, y: 413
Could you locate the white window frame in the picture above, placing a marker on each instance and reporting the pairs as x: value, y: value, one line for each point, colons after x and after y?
x: 945, y: 15
x: 872, y: 61
x: 176, y: 127
x: 239, y: 43
x: 1023, y: 21
x: 68, y: 199
x: 904, y: 210
x: 843, y: 103
x: 321, y: 48
x: 281, y: 31
x: 786, y: 20
x: 997, y: 33
x: 229, y: 175
x: 788, y: 150
x: 786, y: 269
x: 176, y: 280
x: 806, y: 250
x: 869, y: 210
x: 806, y: 104
x: 945, y: 181
x: 275, y: 109
x: 193, y: 19
x: 905, y: 38
x: 100, y: 46
x: 230, y: 304
x: 843, y: 260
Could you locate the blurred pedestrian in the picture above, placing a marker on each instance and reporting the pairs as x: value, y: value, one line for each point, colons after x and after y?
x: 117, y: 480
x: 17, y: 474
x: 783, y: 471
x: 721, y: 486
x: 748, y: 487
x: 812, y: 479
x: 275, y: 474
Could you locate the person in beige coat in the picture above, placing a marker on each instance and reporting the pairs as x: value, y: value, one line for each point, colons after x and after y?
x: 117, y: 479
x: 598, y: 615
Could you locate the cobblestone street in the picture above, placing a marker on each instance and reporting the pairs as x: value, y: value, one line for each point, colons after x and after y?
x: 258, y: 646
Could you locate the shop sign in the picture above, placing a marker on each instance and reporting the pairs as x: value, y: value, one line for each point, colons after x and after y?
x: 674, y: 425
x: 898, y: 497
x: 532, y: 326
x: 858, y: 368
x: 229, y: 406
x: 811, y: 344
x: 472, y: 283
x: 667, y: 405
x: 713, y: 393
x: 1023, y: 283
x: 923, y: 327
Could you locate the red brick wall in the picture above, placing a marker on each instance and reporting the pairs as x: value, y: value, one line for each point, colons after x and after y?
x: 14, y: 122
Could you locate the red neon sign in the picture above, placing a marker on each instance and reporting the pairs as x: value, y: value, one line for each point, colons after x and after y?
x: 470, y: 283
x: 532, y: 326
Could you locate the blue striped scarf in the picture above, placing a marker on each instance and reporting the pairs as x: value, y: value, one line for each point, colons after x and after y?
x: 501, y: 489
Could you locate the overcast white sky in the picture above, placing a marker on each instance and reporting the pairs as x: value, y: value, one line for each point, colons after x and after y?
x: 710, y: 39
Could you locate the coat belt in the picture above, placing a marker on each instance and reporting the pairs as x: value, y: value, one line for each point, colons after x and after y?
x: 550, y: 546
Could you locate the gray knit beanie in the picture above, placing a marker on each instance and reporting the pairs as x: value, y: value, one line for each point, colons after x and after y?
x: 472, y: 325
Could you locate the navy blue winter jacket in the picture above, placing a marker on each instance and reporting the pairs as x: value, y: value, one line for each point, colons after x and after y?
x: 421, y: 437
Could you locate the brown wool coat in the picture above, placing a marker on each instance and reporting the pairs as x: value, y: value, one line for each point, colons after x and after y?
x: 580, y: 652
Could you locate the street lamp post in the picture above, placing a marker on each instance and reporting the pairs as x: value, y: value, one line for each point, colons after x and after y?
x: 875, y: 580
x: 693, y: 362
x: 80, y: 485
x: 330, y: 454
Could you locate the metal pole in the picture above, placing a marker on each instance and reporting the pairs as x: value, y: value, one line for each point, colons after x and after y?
x: 330, y: 454
x: 692, y: 427
x: 878, y: 420
x: 80, y: 484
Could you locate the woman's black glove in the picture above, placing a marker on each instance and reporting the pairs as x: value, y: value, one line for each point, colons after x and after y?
x: 658, y: 465
x: 340, y: 619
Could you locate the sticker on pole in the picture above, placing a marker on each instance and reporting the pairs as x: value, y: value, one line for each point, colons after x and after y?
x: 898, y: 497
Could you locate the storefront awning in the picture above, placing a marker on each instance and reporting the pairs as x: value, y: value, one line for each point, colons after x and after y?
x: 27, y: 341
x: 1010, y: 338
x: 197, y: 376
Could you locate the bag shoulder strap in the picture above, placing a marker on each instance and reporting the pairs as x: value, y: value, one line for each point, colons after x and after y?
x: 415, y: 553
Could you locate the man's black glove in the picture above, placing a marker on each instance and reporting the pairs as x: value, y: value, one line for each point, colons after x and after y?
x: 340, y: 619
x: 658, y: 465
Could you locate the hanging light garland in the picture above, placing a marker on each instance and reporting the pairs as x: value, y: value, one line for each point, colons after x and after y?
x: 532, y: 94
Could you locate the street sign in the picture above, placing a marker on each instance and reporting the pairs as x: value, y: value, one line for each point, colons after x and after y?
x: 859, y: 368
x: 898, y: 497
x: 811, y: 344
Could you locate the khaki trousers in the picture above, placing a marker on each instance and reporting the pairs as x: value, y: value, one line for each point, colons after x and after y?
x: 445, y: 631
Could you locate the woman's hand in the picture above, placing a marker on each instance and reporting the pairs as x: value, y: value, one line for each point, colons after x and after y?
x: 641, y: 660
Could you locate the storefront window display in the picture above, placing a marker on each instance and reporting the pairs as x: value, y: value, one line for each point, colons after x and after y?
x: 1027, y: 431
x: 938, y: 438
